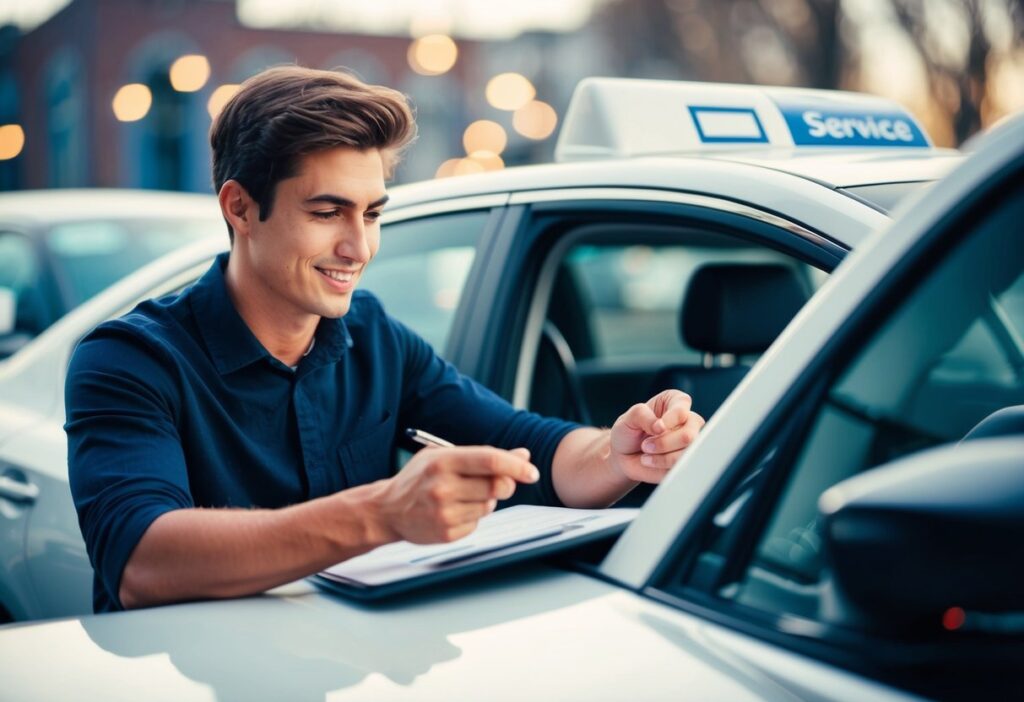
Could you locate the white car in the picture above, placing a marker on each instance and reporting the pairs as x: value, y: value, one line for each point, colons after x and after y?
x: 731, y: 583
x: 573, y: 289
x: 58, y: 248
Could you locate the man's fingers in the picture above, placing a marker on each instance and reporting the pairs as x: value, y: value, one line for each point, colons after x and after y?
x: 641, y: 418
x: 675, y: 439
x: 502, y: 487
x: 482, y: 488
x: 474, y: 488
x: 673, y: 409
x: 660, y: 461
x: 489, y: 461
x: 462, y: 513
x: 636, y: 470
x: 458, y: 532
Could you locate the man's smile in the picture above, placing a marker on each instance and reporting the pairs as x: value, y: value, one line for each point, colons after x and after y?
x: 337, y: 279
x: 337, y: 274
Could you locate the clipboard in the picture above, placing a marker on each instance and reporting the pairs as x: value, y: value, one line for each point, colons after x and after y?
x: 519, y: 533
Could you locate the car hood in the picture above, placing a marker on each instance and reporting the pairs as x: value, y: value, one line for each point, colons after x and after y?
x: 538, y: 633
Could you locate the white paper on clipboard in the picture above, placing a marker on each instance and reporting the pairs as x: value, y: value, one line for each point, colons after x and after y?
x: 497, y: 533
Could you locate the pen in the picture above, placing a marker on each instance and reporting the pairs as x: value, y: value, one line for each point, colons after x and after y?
x: 427, y: 439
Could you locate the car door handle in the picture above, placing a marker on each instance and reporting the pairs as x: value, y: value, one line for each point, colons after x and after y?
x: 17, y: 490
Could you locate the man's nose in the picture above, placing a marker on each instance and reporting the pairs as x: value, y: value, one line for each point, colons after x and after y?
x: 354, y: 244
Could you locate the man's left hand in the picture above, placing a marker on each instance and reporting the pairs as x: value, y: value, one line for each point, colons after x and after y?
x: 649, y: 438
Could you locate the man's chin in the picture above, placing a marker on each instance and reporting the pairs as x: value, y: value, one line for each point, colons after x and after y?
x: 336, y: 310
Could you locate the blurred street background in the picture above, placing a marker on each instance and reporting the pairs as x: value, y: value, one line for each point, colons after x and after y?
x: 120, y: 93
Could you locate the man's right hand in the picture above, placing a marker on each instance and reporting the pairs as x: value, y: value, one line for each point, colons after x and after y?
x: 442, y: 493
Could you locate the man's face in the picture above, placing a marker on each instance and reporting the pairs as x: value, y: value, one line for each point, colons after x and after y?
x: 322, y: 232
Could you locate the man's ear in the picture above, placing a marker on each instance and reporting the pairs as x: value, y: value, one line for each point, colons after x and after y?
x: 238, y: 208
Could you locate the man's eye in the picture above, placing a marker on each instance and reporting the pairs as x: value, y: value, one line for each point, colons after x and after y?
x: 372, y: 216
x: 329, y: 214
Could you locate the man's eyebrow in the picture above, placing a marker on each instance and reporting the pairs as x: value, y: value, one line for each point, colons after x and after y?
x: 344, y: 201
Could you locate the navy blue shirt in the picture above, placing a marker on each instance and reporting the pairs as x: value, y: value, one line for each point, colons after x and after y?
x: 178, y: 405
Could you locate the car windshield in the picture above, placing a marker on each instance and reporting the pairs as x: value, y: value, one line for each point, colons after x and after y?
x: 88, y: 256
x: 886, y: 196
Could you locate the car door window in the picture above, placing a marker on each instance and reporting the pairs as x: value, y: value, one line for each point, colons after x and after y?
x: 636, y: 292
x: 943, y: 358
x: 421, y: 270
x: 630, y: 314
x: 90, y: 255
x: 21, y: 273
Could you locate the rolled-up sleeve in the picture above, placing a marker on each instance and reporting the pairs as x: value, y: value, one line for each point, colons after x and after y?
x: 439, y: 399
x: 125, y: 460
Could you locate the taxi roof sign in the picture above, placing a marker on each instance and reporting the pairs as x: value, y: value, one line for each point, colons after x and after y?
x: 619, y: 118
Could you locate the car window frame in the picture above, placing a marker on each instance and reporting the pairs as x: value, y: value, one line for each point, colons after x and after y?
x: 460, y: 332
x: 549, y: 210
x: 49, y: 293
x: 422, y: 248
x: 805, y: 636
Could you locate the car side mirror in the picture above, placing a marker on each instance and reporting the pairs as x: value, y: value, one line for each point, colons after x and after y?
x: 931, y: 542
x: 8, y: 310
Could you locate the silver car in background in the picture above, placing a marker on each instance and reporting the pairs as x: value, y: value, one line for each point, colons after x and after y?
x: 58, y: 248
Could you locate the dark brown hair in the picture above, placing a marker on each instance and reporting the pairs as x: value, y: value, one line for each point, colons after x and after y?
x: 284, y: 113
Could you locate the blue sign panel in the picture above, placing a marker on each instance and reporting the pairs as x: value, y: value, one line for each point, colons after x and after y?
x: 828, y: 123
x: 727, y: 125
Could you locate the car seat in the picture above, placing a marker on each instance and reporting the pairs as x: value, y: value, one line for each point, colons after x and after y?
x: 730, y: 310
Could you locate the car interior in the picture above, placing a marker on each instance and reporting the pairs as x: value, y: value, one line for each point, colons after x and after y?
x: 946, y: 365
x: 629, y: 316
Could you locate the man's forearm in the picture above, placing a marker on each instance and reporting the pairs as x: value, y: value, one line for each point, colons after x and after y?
x: 214, y: 553
x: 582, y: 472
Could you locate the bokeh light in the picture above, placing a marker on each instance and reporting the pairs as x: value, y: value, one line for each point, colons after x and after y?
x: 447, y: 169
x: 12, y: 141
x: 132, y: 102
x: 484, y: 135
x: 953, y: 618
x: 535, y: 120
x: 488, y: 159
x: 509, y: 91
x: 467, y: 166
x: 433, y: 54
x: 220, y: 97
x: 190, y: 73
x: 479, y: 162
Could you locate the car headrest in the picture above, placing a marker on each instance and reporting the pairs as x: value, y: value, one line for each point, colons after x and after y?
x: 739, y: 308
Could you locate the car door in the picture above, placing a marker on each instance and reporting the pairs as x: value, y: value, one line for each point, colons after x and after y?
x: 26, y: 281
x: 582, y: 313
x: 31, y: 308
x: 431, y: 254
x: 926, y: 356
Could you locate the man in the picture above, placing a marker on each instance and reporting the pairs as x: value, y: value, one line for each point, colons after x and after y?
x: 236, y: 436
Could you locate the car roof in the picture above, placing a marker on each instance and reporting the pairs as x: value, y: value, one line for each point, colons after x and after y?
x: 853, y: 168
x: 830, y: 169
x: 34, y: 207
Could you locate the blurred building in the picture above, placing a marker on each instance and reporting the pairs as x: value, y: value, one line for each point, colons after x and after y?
x: 94, y: 91
x: 101, y: 101
x: 60, y: 81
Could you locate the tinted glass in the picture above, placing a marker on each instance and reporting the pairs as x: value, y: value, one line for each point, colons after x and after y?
x: 633, y: 296
x: 89, y: 256
x: 421, y: 270
x: 20, y: 276
x: 945, y: 358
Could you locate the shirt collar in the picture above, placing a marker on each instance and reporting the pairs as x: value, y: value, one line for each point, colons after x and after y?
x: 230, y: 342
x: 332, y: 339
